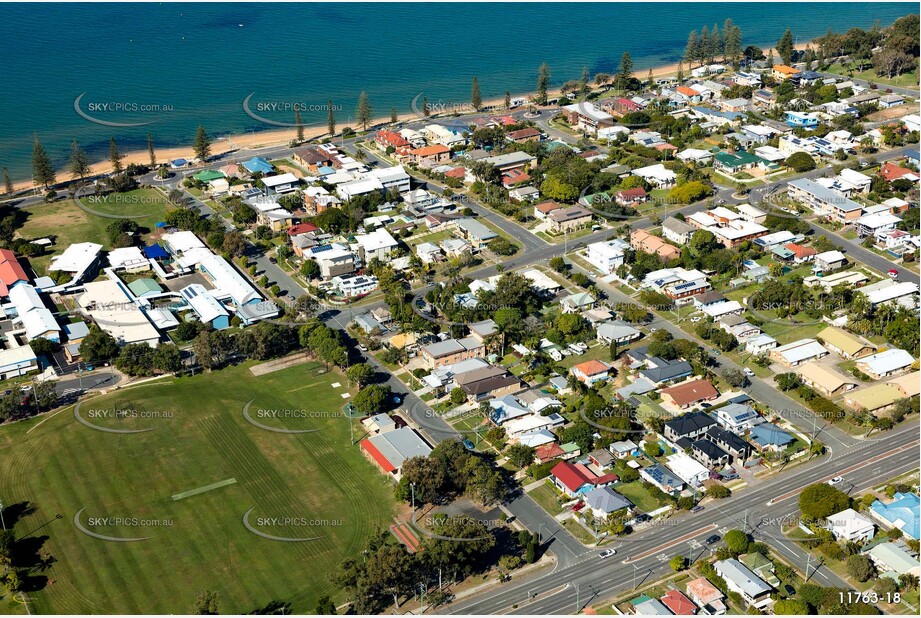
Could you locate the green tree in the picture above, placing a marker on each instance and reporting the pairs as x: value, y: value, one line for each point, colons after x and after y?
x: 791, y: 607
x: 508, y: 99
x: 692, y: 49
x: 98, y: 345
x: 7, y: 182
x: 859, y: 567
x: 678, y: 563
x: 543, y: 82
x: 520, y: 455
x: 458, y: 396
x: 800, y: 162
x: 626, y: 70
x: 394, y: 117
x: 360, y: 374
x: 115, y: 157
x: 330, y: 118
x: 736, y: 541
x: 206, y: 603
x: 476, y: 100
x: 151, y: 153
x: 363, y: 110
x: 42, y: 169
x: 202, y: 144
x: 372, y: 399
x: 785, y: 47
x: 79, y: 163
x: 299, y: 124
x: 821, y: 500
x: 652, y: 448
x: 7, y: 542
x: 325, y: 607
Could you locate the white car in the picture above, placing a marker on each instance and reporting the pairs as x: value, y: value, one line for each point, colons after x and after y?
x: 748, y: 371
x: 581, y: 345
x: 834, y: 481
x: 566, y: 352
x: 696, y: 319
x: 607, y: 553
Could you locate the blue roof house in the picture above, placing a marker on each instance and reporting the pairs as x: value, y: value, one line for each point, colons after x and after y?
x: 913, y: 157
x: 258, y: 165
x: 769, y: 436
x: 904, y: 513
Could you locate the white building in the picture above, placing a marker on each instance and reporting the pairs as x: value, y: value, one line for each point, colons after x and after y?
x: 687, y: 469
x: 607, y: 256
x: 111, y: 308
x: 657, y: 175
x: 849, y: 525
x: 354, y: 285
x: 377, y: 244
x: 32, y: 315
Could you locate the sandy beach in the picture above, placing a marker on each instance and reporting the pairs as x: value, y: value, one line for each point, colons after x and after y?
x: 282, y: 137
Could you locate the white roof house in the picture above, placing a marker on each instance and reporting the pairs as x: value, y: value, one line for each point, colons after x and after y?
x: 129, y: 258
x: 77, y: 259
x: 204, y: 304
x: 695, y: 154
x: 361, y: 186
x: 107, y: 303
x: 687, y: 468
x: 657, y: 175
x: 717, y: 310
x: 884, y: 363
x: 227, y: 281
x: 887, y: 291
x: 607, y: 256
x: 849, y: 525
x: 36, y: 319
x: 281, y: 183
x: 376, y: 244
x: 799, y: 352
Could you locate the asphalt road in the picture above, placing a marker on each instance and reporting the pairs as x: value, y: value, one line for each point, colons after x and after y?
x: 646, y: 553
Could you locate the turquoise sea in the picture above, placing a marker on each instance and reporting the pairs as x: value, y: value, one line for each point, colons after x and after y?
x: 178, y: 65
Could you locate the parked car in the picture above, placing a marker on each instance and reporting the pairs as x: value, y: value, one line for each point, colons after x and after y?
x: 696, y: 319
x: 468, y: 445
x: 362, y: 347
x: 578, y: 507
x: 747, y: 371
x: 607, y: 553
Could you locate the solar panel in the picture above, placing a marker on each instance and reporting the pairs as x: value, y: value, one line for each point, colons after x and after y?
x: 321, y: 248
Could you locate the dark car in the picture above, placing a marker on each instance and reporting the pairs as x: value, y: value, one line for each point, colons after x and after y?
x: 469, y: 445
x: 697, y: 509
x: 713, y: 538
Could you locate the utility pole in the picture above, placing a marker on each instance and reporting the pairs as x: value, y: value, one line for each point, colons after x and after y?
x: 539, y: 528
x: 1, y: 515
x: 577, y: 597
x: 634, y: 575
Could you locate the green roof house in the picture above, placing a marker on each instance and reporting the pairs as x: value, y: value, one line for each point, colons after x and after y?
x: 207, y: 176
x: 144, y: 287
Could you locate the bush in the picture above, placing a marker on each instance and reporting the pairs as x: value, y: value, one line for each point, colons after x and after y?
x: 800, y: 162
x: 859, y: 567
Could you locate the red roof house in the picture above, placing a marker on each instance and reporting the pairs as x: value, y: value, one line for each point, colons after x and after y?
x: 547, y: 452
x: 679, y: 604
x: 11, y: 271
x: 689, y: 393
x: 891, y: 171
x: 576, y: 479
x: 302, y: 228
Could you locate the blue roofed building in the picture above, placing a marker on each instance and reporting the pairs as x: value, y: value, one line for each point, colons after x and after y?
x: 904, y: 513
x: 770, y: 437
x: 913, y: 157
x: 258, y: 165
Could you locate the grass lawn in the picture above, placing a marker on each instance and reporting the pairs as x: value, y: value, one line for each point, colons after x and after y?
x: 577, y: 530
x: 59, y: 466
x: 546, y: 496
x: 597, y: 352
x: 638, y: 495
x: 906, y: 80
x: 66, y: 223
x: 433, y: 238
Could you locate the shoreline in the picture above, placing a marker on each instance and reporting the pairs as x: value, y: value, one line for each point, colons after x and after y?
x: 270, y: 138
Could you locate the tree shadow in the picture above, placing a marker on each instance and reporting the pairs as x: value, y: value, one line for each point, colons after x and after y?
x: 273, y: 607
x: 15, y: 512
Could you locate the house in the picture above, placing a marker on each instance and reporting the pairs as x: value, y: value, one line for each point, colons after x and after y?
x: 451, y: 351
x: 658, y: 370
x: 631, y: 197
x: 576, y: 479
x: 885, y: 364
x: 110, y: 305
x: 803, y: 120
x: 798, y: 352
x: 657, y: 175
x: 619, y: 332
x: 333, y: 259
x: 377, y: 244
x: 689, y: 393
x: 548, y: 452
x: 678, y: 604
x: 687, y: 427
x: 646, y: 606
x: 687, y: 469
x: 11, y: 272
x: 677, y: 231
x: 80, y: 260
x: 829, y: 261
x: 888, y: 291
x: 604, y: 500
x: 677, y: 283
x: 718, y: 310
x: 575, y: 303
x: 861, y: 182
x: 506, y: 408
x: 545, y: 208
x: 707, y: 596
x: 710, y: 454
x: 622, y: 448
x: 607, y: 256
x: 511, y: 161
x: 429, y: 253
x: 891, y: 171
x: 528, y: 134
x: 751, y: 214
x: 849, y: 525
x: 663, y: 478
x: 483, y: 330
x: 903, y: 512
x: 591, y: 372
x: 354, y: 285
x: 782, y: 72
x: 754, y: 590
x: 912, y: 122
x: 730, y: 228
x: 430, y: 156
x: 388, y: 450
x: 491, y: 382
x: 206, y: 307
x: 732, y: 444
x: 760, y: 565
x: 799, y: 253
x: 568, y: 219
x: 474, y: 232
x: 733, y: 162
x: 881, y: 397
x: 844, y: 343
x: 586, y: 117
x: 894, y: 559
x: 737, y: 417
x: 258, y: 165
x: 695, y: 155
x: 280, y: 184
x: 641, y: 240
x: 823, y: 201
x: 825, y: 379
x: 768, y: 437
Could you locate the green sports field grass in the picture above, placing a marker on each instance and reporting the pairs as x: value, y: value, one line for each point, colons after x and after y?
x: 321, y: 484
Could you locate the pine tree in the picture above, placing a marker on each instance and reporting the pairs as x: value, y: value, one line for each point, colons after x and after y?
x: 476, y: 100
x: 363, y: 111
x: 626, y: 70
x: 785, y: 47
x: 704, y: 46
x: 330, y: 118
x: 732, y: 42
x: 79, y: 162
x: 115, y: 156
x: 394, y: 117
x: 7, y: 181
x: 680, y: 74
x: 202, y: 144
x: 716, y: 43
x: 583, y: 83
x: 543, y: 82
x: 692, y: 49
x: 42, y: 169
x: 151, y: 154
x: 425, y: 106
x: 299, y: 124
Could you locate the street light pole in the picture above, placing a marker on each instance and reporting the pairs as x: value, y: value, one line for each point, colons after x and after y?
x: 539, y: 528
x: 412, y: 487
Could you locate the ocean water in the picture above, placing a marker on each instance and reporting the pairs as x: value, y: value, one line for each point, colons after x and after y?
x: 175, y: 66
